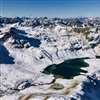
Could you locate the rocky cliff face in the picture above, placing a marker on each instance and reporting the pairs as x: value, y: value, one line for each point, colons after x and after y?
x: 28, y: 46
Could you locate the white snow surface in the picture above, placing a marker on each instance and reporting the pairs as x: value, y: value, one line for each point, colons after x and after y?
x: 56, y: 46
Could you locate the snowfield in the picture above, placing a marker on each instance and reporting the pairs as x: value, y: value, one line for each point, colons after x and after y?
x: 30, y: 46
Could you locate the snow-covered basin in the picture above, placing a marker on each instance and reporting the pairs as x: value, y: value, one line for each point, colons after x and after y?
x: 27, y: 65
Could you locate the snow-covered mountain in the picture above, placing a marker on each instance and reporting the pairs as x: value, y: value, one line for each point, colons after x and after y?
x: 37, y: 55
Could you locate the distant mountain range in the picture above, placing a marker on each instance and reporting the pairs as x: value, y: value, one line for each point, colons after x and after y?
x: 26, y: 21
